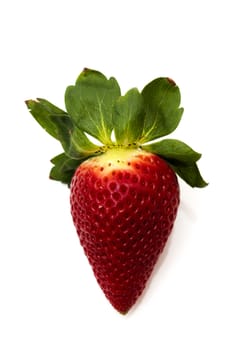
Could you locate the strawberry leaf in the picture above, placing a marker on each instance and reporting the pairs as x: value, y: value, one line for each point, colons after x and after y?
x: 128, y: 117
x: 189, y: 173
x: 162, y: 100
x: 80, y: 146
x: 59, y: 125
x: 173, y: 149
x: 181, y: 158
x: 64, y: 168
x: 90, y: 104
x: 55, y: 121
x: 95, y: 107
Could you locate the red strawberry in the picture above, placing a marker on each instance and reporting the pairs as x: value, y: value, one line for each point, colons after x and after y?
x: 124, y: 204
x: 124, y: 192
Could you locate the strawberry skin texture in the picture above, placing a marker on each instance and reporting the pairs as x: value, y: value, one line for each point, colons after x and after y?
x: 124, y: 204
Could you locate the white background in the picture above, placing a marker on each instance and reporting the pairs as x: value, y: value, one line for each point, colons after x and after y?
x: 49, y: 298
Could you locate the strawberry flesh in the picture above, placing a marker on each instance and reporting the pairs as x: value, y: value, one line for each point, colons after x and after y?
x: 124, y: 205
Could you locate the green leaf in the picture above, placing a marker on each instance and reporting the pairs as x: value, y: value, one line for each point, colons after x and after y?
x: 55, y: 121
x: 189, y: 173
x: 64, y: 168
x: 59, y: 124
x: 128, y: 117
x: 80, y: 146
x: 181, y: 158
x: 162, y: 100
x: 90, y: 104
x: 95, y: 107
x: 173, y: 149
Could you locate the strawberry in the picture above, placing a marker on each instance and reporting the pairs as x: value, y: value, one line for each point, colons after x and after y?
x: 124, y: 192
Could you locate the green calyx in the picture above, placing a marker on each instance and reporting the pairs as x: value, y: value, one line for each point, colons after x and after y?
x: 97, y: 111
